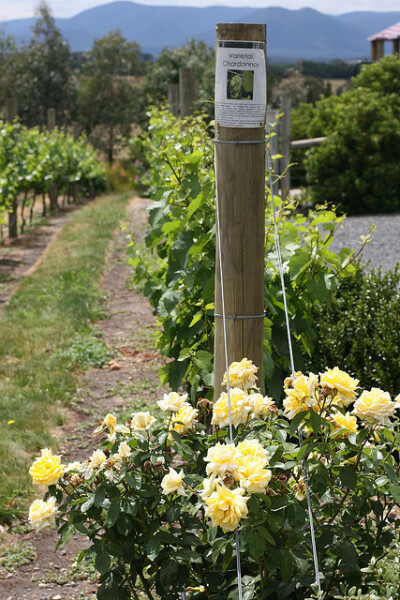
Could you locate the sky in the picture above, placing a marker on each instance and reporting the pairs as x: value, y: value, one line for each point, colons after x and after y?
x: 17, y: 9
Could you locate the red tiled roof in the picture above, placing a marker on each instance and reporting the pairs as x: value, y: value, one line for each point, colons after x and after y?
x: 391, y: 33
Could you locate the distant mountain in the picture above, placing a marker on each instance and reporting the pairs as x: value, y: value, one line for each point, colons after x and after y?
x: 291, y: 34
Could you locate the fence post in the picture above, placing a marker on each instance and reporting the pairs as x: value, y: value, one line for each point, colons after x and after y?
x: 11, y: 109
x: 273, y: 125
x: 173, y: 98
x: 51, y: 119
x: 76, y: 130
x: 240, y: 182
x: 187, y: 91
x: 286, y: 105
x: 53, y: 192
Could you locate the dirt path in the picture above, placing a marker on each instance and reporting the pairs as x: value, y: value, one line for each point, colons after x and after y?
x: 130, y: 381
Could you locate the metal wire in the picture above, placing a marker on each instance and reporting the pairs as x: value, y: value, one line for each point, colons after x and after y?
x: 303, y: 462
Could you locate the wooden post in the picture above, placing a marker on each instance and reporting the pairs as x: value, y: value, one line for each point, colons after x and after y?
x: 396, y: 48
x: 380, y: 49
x: 51, y: 119
x: 240, y: 176
x: 187, y: 91
x: 273, y: 126
x: 173, y: 98
x: 11, y: 109
x: 76, y: 130
x: 286, y: 104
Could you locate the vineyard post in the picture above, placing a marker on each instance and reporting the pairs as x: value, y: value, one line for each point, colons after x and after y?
x: 53, y: 192
x: 240, y: 176
x: 11, y: 109
x: 51, y: 119
x: 76, y: 130
x: 187, y: 91
x: 273, y: 126
x: 173, y: 98
x: 11, y: 115
x: 286, y: 105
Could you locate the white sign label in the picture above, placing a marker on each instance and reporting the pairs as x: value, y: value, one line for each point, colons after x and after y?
x: 240, y: 84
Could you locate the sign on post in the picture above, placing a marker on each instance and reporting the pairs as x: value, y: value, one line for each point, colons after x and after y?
x: 240, y: 90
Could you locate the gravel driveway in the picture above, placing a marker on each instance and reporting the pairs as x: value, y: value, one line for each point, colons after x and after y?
x: 384, y: 247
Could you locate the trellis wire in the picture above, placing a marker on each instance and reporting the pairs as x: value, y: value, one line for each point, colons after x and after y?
x: 289, y: 336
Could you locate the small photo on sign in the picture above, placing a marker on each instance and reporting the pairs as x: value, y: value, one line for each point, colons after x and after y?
x: 240, y: 85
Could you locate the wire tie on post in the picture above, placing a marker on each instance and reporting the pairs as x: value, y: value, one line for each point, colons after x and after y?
x: 237, y: 142
x: 240, y: 316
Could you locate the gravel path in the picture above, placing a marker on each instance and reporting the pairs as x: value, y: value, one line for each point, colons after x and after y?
x: 384, y: 247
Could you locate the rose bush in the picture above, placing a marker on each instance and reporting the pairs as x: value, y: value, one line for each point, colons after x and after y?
x: 160, y: 498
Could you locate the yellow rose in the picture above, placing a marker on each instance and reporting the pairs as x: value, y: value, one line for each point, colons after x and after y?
x: 375, y: 407
x: 301, y: 396
x: 260, y: 405
x: 240, y: 408
x: 346, y: 421
x: 123, y: 450
x: 173, y: 401
x: 221, y: 460
x: 251, y: 449
x: 46, y: 470
x: 173, y: 482
x: 42, y: 514
x: 226, y: 508
x: 253, y: 477
x: 184, y: 419
x: 142, y: 421
x: 241, y: 374
x: 338, y: 380
x: 110, y: 421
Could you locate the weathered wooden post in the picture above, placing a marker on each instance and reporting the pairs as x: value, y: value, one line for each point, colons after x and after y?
x: 11, y: 115
x: 173, y: 98
x: 11, y: 109
x: 240, y: 105
x: 187, y: 91
x: 286, y: 105
x: 273, y: 126
x: 76, y: 130
x: 51, y: 119
x: 51, y: 125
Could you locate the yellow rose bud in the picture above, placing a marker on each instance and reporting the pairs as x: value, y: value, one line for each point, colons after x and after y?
x: 123, y: 450
x: 173, y: 482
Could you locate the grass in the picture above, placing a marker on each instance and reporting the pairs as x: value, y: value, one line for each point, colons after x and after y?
x: 16, y: 555
x: 38, y: 364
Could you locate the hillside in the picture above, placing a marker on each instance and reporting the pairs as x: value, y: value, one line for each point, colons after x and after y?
x: 292, y: 34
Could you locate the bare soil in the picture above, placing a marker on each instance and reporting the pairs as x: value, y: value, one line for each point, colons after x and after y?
x: 110, y: 389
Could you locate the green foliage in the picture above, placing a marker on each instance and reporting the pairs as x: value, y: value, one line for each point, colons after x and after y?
x: 16, y: 555
x: 154, y: 530
x: 354, y: 331
x: 86, y: 348
x: 31, y: 161
x: 356, y: 167
x: 182, y: 235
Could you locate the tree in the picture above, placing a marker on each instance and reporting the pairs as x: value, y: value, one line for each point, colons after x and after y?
x: 106, y: 91
x: 8, y: 49
x: 43, y: 78
x: 165, y: 70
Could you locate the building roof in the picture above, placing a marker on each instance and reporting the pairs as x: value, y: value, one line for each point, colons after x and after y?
x: 391, y: 33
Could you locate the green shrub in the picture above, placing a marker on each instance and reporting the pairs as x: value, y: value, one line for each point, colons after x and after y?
x: 360, y: 329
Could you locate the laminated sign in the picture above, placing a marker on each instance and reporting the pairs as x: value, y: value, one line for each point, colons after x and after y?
x: 240, y: 84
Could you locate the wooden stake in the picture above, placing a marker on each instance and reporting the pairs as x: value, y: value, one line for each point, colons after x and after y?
x: 173, y: 98
x: 51, y: 119
x: 187, y: 91
x: 286, y: 105
x: 240, y: 173
x: 11, y: 109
